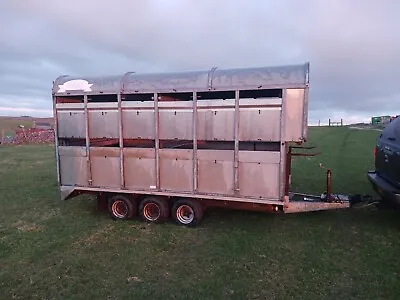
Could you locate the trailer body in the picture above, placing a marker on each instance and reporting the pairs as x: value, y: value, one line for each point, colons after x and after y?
x: 220, y: 136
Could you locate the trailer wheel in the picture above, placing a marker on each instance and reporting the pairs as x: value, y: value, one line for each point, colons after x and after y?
x: 122, y: 207
x: 187, y: 212
x: 154, y: 210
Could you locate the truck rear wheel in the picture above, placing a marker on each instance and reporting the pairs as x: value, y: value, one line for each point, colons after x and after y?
x: 122, y: 207
x: 154, y: 210
x: 187, y: 212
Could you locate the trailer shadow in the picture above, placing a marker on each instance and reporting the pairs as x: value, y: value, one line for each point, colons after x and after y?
x: 383, y: 217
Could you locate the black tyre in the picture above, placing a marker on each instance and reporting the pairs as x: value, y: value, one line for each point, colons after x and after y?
x: 154, y: 210
x: 122, y: 207
x: 187, y: 212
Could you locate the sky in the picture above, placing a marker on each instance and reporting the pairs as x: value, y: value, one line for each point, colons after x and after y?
x: 353, y: 46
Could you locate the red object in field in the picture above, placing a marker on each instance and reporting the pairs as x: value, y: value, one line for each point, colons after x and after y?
x: 33, y: 136
x: 328, y: 183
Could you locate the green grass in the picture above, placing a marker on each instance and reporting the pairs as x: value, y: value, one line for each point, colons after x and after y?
x: 66, y: 250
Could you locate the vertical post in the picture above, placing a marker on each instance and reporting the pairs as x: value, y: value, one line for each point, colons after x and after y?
x: 328, y: 184
x: 55, y: 120
x: 329, y: 122
x: 88, y: 162
x: 194, y: 127
x: 288, y: 170
x: 236, y: 150
x: 341, y: 122
x: 121, y: 141
x: 284, y: 159
x: 157, y: 140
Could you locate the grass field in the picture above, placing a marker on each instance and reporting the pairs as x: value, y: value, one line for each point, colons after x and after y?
x: 66, y: 250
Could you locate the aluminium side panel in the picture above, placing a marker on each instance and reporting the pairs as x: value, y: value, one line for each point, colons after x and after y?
x: 103, y: 123
x: 259, y: 174
x: 215, y: 171
x: 106, y: 167
x: 294, y: 115
x: 215, y: 120
x: 71, y: 123
x: 73, y: 165
x: 176, y: 170
x: 139, y: 121
x: 139, y: 168
x: 215, y: 124
x: 176, y: 123
x: 259, y: 124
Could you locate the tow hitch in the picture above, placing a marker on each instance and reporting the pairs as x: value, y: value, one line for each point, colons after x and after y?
x: 305, y: 202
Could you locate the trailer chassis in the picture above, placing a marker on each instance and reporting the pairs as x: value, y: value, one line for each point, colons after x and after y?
x: 292, y: 202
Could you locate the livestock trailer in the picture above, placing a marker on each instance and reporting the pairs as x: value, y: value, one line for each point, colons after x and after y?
x: 172, y: 144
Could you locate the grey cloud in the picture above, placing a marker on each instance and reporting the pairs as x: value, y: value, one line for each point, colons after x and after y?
x: 352, y: 46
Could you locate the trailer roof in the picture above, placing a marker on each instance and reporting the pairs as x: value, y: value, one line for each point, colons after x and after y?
x: 214, y: 79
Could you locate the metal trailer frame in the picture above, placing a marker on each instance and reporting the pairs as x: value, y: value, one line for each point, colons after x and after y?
x: 118, y: 143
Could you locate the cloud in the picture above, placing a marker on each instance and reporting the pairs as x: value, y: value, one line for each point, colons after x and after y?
x: 352, y: 46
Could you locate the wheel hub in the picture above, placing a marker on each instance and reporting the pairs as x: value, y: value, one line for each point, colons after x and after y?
x: 119, y: 208
x: 185, y: 214
x: 151, y: 211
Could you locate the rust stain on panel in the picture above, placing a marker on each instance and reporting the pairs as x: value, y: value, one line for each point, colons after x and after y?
x: 139, y: 153
x: 175, y: 154
x: 74, y: 151
x: 104, y: 151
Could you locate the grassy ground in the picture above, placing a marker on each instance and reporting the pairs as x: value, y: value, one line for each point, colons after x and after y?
x: 66, y: 250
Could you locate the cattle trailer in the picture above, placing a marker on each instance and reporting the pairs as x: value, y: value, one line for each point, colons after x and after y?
x: 172, y: 144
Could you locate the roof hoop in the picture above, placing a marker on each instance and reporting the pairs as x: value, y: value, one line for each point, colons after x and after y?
x: 307, y: 72
x: 123, y: 81
x: 210, y: 77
